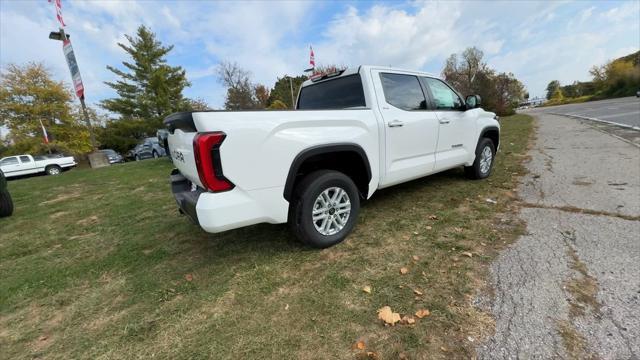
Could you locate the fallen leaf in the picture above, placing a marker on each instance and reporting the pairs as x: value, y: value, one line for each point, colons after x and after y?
x: 403, y: 270
x: 490, y: 201
x: 367, y: 289
x: 415, y: 233
x: 360, y: 345
x: 408, y: 320
x: 444, y: 349
x: 458, y: 230
x: 466, y: 253
x: 43, y: 338
x: 417, y: 292
x: 428, y: 227
x: 422, y: 313
x: 389, y: 317
x: 188, y: 277
x: 415, y: 258
x: 483, y: 244
x: 286, y: 307
x: 433, y: 217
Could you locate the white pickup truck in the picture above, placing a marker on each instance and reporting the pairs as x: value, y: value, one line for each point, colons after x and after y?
x: 353, y: 131
x: 27, y: 164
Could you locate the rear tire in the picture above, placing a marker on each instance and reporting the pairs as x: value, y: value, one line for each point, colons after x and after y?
x: 6, y: 204
x: 483, y: 164
x: 53, y: 170
x: 324, y: 208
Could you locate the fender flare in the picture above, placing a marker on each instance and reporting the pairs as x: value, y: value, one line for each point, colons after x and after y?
x: 319, y: 150
x: 487, y: 129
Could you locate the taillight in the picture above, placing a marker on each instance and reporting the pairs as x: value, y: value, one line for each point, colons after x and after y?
x: 206, y: 149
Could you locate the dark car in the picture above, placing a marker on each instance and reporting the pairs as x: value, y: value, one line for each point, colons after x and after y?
x: 113, y: 156
x: 147, y: 149
x: 6, y: 204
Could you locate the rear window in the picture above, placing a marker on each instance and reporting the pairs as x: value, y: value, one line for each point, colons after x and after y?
x: 341, y: 93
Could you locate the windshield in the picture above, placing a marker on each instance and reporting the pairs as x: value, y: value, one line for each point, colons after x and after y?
x: 109, y: 152
x: 340, y: 93
x: 152, y: 139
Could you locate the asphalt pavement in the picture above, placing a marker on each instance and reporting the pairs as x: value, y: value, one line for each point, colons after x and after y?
x: 623, y: 111
x: 570, y: 287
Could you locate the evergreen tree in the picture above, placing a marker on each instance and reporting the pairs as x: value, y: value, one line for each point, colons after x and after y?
x: 28, y: 96
x: 282, y: 90
x: 148, y: 89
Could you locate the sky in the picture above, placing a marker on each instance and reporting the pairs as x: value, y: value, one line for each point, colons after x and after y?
x: 537, y: 41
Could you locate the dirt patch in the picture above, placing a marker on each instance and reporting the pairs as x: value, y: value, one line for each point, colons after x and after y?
x: 72, y: 194
x: 58, y: 214
x: 574, y: 343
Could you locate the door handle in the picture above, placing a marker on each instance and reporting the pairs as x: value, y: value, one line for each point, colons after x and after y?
x: 395, y: 123
x: 445, y: 121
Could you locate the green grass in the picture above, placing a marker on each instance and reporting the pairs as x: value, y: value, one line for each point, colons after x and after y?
x: 94, y: 264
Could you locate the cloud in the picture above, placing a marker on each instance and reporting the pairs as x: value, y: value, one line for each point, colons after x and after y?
x: 537, y: 41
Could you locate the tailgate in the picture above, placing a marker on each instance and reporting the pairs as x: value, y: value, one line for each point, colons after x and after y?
x: 180, y: 140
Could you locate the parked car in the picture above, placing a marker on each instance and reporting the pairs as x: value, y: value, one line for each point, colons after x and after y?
x: 113, y: 156
x: 147, y: 149
x: 361, y: 130
x: 27, y: 164
x: 6, y: 204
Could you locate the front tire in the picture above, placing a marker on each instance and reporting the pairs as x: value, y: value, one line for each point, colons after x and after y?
x: 324, y: 208
x: 53, y: 170
x: 483, y: 164
x: 6, y: 204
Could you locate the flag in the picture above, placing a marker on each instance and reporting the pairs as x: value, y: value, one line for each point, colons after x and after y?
x: 58, y: 4
x: 44, y: 133
x: 312, y: 58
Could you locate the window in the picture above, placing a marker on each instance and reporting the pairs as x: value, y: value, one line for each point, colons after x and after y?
x: 340, y: 93
x: 24, y: 159
x: 443, y: 96
x: 9, y: 161
x: 403, y: 91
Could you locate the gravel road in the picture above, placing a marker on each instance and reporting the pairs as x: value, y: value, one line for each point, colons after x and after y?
x: 570, y: 287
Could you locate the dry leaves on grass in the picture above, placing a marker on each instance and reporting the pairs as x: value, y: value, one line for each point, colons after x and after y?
x: 360, y: 345
x: 467, y: 254
x: 408, y: 320
x: 367, y: 289
x: 433, y: 217
x: 422, y: 313
x: 388, y: 316
x: 404, y: 270
x: 417, y: 292
x: 415, y: 258
x: 188, y: 277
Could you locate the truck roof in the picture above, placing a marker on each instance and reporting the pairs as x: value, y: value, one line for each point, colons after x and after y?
x: 366, y: 68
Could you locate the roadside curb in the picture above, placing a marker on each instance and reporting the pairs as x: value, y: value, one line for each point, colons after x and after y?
x: 602, y: 131
x: 598, y: 120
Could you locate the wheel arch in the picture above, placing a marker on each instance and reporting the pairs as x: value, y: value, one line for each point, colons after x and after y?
x: 491, y: 132
x: 324, y: 157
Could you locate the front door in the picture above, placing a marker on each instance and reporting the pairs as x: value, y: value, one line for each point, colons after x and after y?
x: 457, y: 126
x: 411, y: 130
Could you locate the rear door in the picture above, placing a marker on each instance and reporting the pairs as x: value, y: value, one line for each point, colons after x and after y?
x: 411, y: 129
x: 457, y: 127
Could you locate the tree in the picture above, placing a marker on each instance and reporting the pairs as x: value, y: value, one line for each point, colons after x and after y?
x: 552, y: 87
x: 29, y: 97
x: 197, y: 104
x: 240, y: 91
x: 261, y: 95
x: 277, y: 105
x: 122, y: 135
x: 281, y: 90
x: 148, y: 89
x: 469, y: 74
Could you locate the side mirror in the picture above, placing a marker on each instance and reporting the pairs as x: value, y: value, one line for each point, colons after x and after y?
x: 473, y: 101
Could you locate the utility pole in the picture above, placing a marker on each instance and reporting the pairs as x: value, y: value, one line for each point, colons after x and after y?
x: 293, y: 106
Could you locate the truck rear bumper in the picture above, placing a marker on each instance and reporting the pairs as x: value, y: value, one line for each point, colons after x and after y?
x: 217, y: 212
